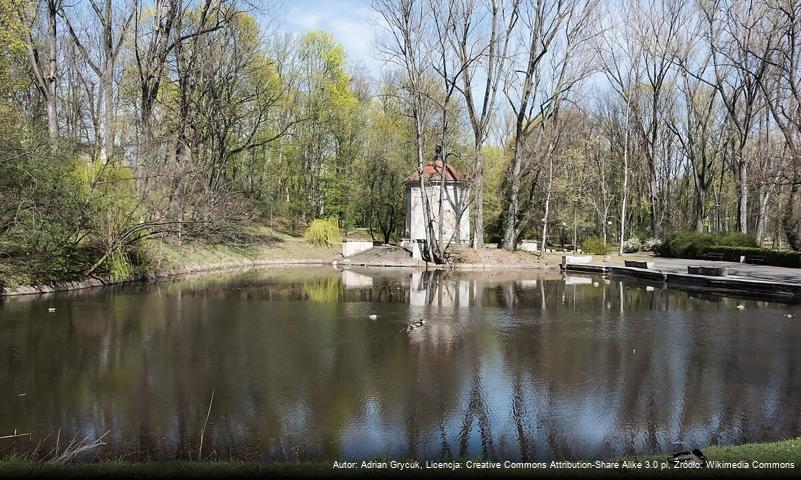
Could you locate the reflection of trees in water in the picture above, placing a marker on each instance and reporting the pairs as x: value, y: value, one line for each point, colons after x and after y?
x: 542, y: 370
x: 323, y: 291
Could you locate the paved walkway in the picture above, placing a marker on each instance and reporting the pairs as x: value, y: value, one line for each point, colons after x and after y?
x: 735, y: 270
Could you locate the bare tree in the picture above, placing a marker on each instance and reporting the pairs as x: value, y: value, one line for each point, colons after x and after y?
x: 484, y: 55
x: 103, y: 64
x: 738, y: 48
x: 621, y: 54
x: 44, y: 58
x: 657, y: 24
x: 781, y: 86
x: 699, y: 132
x: 557, y: 30
x: 406, y: 25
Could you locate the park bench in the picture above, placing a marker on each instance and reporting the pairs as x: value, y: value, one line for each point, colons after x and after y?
x: 757, y: 259
x: 639, y: 264
x: 717, y: 256
x: 707, y: 271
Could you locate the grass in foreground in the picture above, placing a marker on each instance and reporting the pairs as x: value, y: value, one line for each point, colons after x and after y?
x: 775, y: 452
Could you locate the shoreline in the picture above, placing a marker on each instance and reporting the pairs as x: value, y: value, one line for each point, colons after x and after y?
x: 151, y: 277
x: 210, y: 268
x: 193, y: 259
x: 783, y: 291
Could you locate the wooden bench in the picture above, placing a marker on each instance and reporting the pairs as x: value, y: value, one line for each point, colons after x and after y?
x: 717, y: 256
x: 639, y: 264
x: 707, y: 271
x: 757, y: 259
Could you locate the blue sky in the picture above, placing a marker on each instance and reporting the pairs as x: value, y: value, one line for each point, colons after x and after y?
x: 348, y: 21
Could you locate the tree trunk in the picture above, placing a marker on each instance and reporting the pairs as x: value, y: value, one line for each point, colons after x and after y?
x: 52, y: 71
x: 762, y: 220
x: 547, y: 204
x: 510, y: 234
x: 625, y: 180
x: 742, y: 203
x: 699, y: 207
x: 478, y: 191
x: 791, y: 219
x: 656, y: 230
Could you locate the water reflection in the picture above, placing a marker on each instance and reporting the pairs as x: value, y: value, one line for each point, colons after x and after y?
x: 508, y: 366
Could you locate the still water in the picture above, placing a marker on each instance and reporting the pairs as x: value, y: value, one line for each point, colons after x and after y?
x: 509, y: 366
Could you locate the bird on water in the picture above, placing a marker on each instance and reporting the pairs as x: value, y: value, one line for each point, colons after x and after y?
x: 416, y: 324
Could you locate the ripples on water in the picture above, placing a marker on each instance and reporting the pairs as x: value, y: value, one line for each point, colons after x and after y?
x: 507, y: 367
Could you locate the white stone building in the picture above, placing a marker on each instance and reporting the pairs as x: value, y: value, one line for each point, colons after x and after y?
x: 456, y: 213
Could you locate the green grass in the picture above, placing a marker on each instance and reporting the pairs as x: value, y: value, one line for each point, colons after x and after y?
x: 784, y: 451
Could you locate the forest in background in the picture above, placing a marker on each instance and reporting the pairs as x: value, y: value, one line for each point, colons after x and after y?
x: 129, y: 120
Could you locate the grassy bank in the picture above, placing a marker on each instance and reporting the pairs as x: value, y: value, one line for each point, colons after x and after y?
x: 167, y: 257
x: 774, y: 452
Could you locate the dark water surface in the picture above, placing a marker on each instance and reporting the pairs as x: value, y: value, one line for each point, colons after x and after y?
x: 509, y: 366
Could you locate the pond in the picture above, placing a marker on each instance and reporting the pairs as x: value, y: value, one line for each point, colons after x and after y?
x: 509, y: 365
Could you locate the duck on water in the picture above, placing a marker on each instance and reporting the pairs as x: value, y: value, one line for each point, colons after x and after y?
x: 416, y: 324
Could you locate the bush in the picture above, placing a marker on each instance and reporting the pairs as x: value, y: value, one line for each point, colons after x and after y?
x: 594, y: 246
x: 632, y: 245
x: 770, y: 257
x: 731, y: 246
x: 694, y: 244
x: 651, y: 244
x: 737, y: 240
x: 324, y: 232
x: 685, y: 244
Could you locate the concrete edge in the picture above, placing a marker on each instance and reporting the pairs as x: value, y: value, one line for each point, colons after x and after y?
x: 721, y: 284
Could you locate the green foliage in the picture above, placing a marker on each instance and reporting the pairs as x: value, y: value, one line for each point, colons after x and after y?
x: 594, y: 246
x: 684, y: 244
x: 737, y: 239
x: 758, y: 255
x: 61, y: 213
x: 119, y: 267
x: 323, y: 291
x: 694, y: 244
x: 324, y: 232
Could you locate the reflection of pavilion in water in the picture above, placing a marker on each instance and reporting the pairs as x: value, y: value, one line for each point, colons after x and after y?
x: 442, y: 301
x: 433, y: 288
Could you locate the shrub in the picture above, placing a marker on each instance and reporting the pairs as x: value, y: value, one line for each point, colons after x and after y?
x: 769, y: 257
x: 685, y: 244
x: 737, y: 240
x: 694, y: 244
x: 594, y: 246
x: 651, y: 244
x: 731, y: 246
x: 324, y: 232
x: 632, y: 245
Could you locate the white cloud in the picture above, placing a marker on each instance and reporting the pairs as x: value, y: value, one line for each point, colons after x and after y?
x: 349, y: 22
